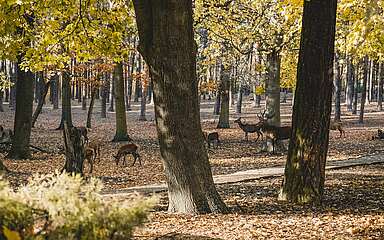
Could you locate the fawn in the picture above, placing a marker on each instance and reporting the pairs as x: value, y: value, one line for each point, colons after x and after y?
x: 129, y: 148
x: 212, y: 137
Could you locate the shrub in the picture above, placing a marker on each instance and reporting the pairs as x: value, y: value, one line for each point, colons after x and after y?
x: 59, y: 206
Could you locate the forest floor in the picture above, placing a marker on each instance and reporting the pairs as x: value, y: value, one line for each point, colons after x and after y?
x: 354, y: 198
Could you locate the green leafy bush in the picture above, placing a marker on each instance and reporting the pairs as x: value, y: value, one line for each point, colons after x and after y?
x: 59, y: 206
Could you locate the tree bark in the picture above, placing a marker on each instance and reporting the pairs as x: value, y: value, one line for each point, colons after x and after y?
x: 66, y: 111
x: 216, y: 107
x: 74, y: 143
x: 121, y: 121
x: 104, y: 96
x: 273, y: 87
x: 364, y: 90
x: 224, y: 97
x: 305, y: 168
x: 356, y: 90
x: 167, y: 44
x: 23, y: 116
x: 112, y: 99
x: 239, y: 101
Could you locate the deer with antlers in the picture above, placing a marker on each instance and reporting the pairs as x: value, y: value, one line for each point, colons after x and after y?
x: 249, y: 128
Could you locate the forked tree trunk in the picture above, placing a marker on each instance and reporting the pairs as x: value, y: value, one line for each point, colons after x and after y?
x: 23, y: 116
x: 224, y: 96
x: 74, y: 150
x: 66, y: 111
x: 40, y: 103
x: 167, y: 44
x: 121, y: 120
x: 305, y: 168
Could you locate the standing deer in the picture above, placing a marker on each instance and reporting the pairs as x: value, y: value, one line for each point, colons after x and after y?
x: 129, y: 148
x: 90, y: 156
x: 337, y: 125
x: 274, y: 133
x: 95, y: 145
x: 249, y: 128
x: 212, y: 137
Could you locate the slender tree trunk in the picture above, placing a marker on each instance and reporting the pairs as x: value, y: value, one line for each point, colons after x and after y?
x: 356, y: 90
x: 143, y: 103
x: 66, y: 111
x: 40, y: 104
x: 169, y: 49
x: 380, y: 87
x: 90, y: 109
x: 23, y: 116
x: 364, y: 90
x: 239, y: 101
x: 1, y: 101
x: 305, y: 168
x: 337, y: 85
x: 350, y: 84
x: 13, y: 76
x: 216, y: 108
x: 224, y: 92
x: 104, y: 96
x: 54, y: 91
x: 113, y: 93
x: 121, y: 121
x: 137, y: 82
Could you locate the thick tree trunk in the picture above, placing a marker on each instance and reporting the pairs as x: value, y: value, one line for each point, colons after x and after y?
x: 167, y: 44
x: 350, y: 84
x: 364, y: 90
x: 305, y: 168
x: 121, y: 121
x: 44, y: 92
x: 380, y: 87
x: 90, y: 109
x: 66, y: 111
x: 337, y: 85
x: 273, y: 87
x: 23, y: 116
x: 74, y: 143
x: 224, y: 93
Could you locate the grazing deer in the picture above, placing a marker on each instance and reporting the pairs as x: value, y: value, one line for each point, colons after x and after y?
x: 84, y: 133
x: 90, y: 156
x: 129, y: 148
x: 95, y: 145
x: 337, y: 125
x: 249, y: 128
x: 212, y: 137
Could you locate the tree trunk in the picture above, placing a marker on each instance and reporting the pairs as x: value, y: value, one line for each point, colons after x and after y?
x: 41, y: 102
x: 350, y: 84
x: 129, y: 84
x: 104, y: 96
x: 224, y: 93
x: 13, y: 76
x: 168, y: 46
x: 337, y: 85
x: 1, y: 101
x: 121, y: 122
x: 239, y: 101
x: 305, y: 168
x: 54, y: 91
x: 273, y: 87
x: 66, y: 111
x: 23, y: 116
x: 112, y: 99
x: 356, y: 90
x: 216, y: 107
x: 380, y: 88
x: 90, y: 109
x: 74, y: 143
x: 364, y: 90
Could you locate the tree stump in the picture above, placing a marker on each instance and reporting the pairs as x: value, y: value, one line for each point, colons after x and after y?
x: 74, y: 143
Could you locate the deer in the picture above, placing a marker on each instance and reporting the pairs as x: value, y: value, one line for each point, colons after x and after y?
x: 380, y: 135
x: 84, y: 133
x: 95, y: 145
x: 90, y: 156
x: 6, y: 135
x: 212, y: 137
x: 249, y: 128
x: 129, y: 148
x: 272, y: 132
x: 337, y: 125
